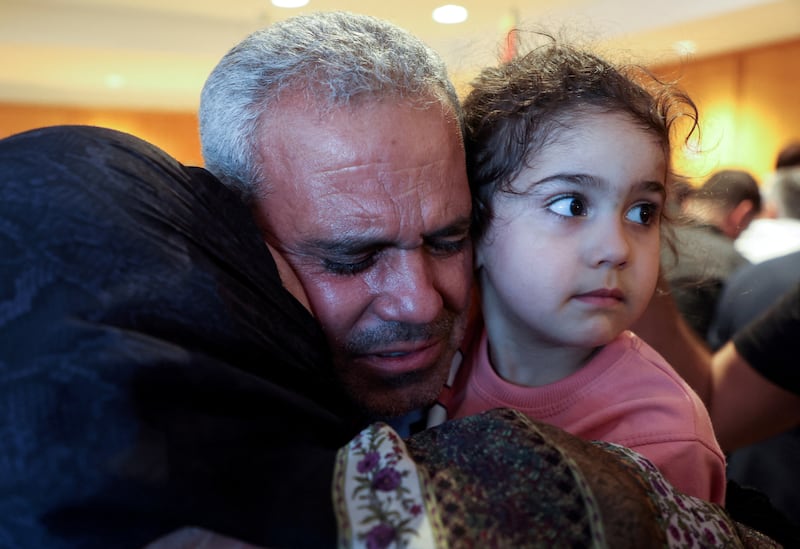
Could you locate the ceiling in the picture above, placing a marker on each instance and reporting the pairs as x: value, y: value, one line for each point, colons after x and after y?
x: 157, y: 53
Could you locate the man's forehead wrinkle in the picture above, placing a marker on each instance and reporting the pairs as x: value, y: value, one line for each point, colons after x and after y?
x: 380, y: 219
x: 402, y: 191
x: 358, y: 226
x: 383, y: 169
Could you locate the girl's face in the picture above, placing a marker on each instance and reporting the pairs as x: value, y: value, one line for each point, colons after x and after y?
x: 573, y: 260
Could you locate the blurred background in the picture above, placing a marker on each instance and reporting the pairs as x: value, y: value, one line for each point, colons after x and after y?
x: 139, y: 65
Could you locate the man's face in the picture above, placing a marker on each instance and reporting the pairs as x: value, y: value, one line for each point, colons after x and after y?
x: 370, y: 206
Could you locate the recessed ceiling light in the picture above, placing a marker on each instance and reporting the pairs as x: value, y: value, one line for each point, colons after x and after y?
x: 115, y: 81
x: 450, y: 14
x: 289, y: 3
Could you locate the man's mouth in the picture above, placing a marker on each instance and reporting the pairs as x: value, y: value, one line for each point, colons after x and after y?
x: 393, y: 354
x: 418, y: 356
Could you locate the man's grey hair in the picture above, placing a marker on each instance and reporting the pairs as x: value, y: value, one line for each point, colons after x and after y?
x: 786, y: 192
x: 333, y: 59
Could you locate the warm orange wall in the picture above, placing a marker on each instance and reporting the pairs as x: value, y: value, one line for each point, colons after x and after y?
x: 175, y: 132
x: 749, y: 105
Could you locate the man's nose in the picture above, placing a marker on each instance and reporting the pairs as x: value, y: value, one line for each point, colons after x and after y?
x: 408, y: 291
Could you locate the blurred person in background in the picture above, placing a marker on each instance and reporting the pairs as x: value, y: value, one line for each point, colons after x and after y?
x: 776, y: 231
x: 752, y: 288
x: 703, y: 255
x: 769, y: 465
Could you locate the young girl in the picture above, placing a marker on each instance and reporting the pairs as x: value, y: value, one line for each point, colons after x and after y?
x: 568, y: 159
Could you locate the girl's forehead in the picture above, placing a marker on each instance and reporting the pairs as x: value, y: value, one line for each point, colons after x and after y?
x: 585, y: 126
x: 603, y: 144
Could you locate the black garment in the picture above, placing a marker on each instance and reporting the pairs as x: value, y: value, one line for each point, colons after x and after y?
x: 771, y: 345
x: 749, y: 292
x: 153, y: 371
x: 705, y: 259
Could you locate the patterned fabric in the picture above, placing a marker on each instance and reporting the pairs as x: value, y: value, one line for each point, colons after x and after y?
x: 387, y: 498
x: 499, y: 480
x: 379, y: 494
x: 688, y: 521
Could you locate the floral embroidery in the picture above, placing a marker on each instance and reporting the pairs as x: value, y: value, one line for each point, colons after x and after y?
x: 497, y: 480
x: 689, y: 521
x: 382, y: 492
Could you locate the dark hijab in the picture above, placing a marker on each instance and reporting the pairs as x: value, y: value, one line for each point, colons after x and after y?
x: 153, y: 371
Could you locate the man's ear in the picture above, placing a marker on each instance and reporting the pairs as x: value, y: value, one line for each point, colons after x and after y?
x: 740, y: 217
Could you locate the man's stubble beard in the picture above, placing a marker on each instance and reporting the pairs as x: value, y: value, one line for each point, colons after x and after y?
x: 393, y: 397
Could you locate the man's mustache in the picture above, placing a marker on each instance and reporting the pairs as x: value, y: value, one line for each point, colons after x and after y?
x: 385, y: 334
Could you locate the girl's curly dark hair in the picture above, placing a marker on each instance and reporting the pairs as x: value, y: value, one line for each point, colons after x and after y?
x: 516, y: 108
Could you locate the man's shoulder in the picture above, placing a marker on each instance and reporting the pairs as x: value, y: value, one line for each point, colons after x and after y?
x: 703, y: 252
x: 787, y: 265
x: 758, y: 285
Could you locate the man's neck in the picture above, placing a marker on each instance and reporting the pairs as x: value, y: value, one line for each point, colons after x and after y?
x: 410, y: 423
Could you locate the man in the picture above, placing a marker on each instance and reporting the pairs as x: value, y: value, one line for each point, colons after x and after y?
x: 716, y: 213
x: 776, y: 232
x: 753, y: 288
x: 769, y: 465
x: 344, y: 134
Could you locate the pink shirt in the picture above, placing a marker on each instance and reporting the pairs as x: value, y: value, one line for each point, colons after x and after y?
x: 627, y: 394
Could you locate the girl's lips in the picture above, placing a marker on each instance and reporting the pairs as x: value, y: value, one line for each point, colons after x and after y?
x: 604, y: 292
x: 602, y: 297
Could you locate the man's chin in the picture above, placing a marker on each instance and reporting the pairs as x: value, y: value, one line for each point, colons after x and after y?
x: 397, y: 406
x: 390, y: 400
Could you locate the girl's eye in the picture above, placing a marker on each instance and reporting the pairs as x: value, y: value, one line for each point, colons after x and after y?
x: 568, y: 206
x: 643, y: 214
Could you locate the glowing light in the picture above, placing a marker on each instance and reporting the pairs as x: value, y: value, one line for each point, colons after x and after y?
x: 685, y: 47
x: 450, y: 14
x: 115, y: 81
x: 289, y: 3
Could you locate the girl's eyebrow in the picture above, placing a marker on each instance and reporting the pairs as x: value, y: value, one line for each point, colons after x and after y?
x: 577, y: 179
x: 653, y: 186
x: 588, y: 180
